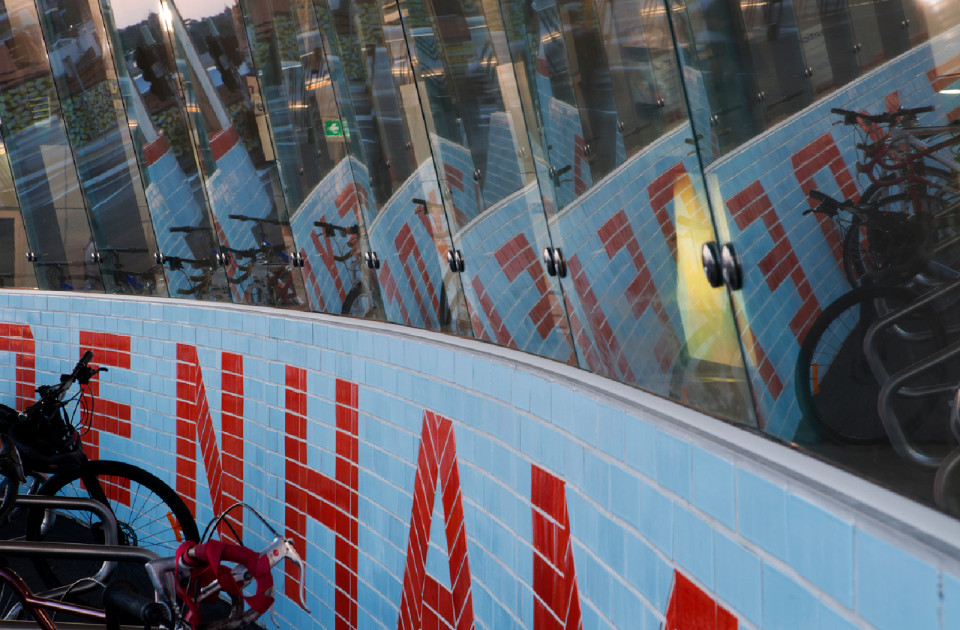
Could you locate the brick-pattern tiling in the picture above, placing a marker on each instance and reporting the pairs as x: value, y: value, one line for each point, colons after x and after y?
x: 511, y: 298
x: 417, y: 270
x: 337, y: 200
x: 172, y: 204
x: 556, y: 604
x: 791, y: 261
x: 332, y: 426
x: 692, y: 609
x: 112, y: 351
x: 425, y: 603
x: 331, y: 500
x: 236, y: 188
x: 18, y: 339
x: 195, y: 427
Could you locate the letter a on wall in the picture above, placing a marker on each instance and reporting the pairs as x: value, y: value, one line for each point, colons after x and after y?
x: 425, y: 603
x: 692, y: 609
x: 557, y: 602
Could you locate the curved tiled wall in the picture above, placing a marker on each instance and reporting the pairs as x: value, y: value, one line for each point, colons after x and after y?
x: 426, y: 477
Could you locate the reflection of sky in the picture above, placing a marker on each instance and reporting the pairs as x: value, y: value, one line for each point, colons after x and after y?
x: 127, y: 12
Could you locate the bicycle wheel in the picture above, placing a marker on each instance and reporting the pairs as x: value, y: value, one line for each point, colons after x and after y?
x: 835, y: 387
x: 149, y: 514
x: 931, y: 232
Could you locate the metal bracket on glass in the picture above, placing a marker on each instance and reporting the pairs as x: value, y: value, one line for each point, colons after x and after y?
x: 857, y: 47
x: 661, y: 102
x: 31, y: 257
x: 477, y: 175
x: 455, y: 260
x: 905, y: 24
x: 808, y: 72
x: 721, y: 265
x: 159, y: 258
x: 371, y: 259
x: 298, y: 259
x: 554, y: 262
x: 221, y: 259
x: 761, y: 96
x: 730, y: 267
x: 96, y: 257
x: 710, y: 257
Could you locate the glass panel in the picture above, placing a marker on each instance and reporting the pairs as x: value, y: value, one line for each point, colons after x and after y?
x: 489, y: 184
x: 712, y: 46
x: 174, y: 191
x: 393, y: 167
x: 639, y: 307
x: 829, y: 49
x: 643, y: 68
x: 837, y: 362
x: 929, y: 18
x: 222, y: 98
x: 878, y: 31
x: 40, y: 156
x: 772, y: 36
x: 15, y: 270
x: 97, y: 129
x: 312, y: 155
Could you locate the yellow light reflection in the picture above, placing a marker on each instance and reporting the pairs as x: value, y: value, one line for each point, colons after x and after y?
x: 703, y: 310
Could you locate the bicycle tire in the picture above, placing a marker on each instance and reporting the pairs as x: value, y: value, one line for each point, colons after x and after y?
x: 150, y: 518
x: 835, y: 388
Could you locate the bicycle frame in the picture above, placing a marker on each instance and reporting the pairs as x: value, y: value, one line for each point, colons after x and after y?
x: 894, y: 142
x: 39, y: 605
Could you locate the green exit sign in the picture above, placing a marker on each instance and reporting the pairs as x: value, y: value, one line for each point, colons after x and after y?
x: 332, y: 129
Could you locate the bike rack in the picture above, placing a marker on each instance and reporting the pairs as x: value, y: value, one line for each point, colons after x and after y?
x: 77, y: 551
x: 893, y: 384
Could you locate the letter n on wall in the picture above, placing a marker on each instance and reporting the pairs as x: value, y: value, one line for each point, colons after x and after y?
x: 556, y: 605
x: 194, y: 424
x: 425, y: 603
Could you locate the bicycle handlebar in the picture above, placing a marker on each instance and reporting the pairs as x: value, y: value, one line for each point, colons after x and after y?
x: 80, y: 373
x: 852, y: 118
x: 202, y: 565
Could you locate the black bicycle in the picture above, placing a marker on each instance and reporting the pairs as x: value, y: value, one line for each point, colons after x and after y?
x: 149, y: 513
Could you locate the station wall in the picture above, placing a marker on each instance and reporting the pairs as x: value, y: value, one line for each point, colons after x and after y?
x: 432, y: 481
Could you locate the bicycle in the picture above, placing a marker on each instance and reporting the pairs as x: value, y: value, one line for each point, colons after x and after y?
x: 197, y: 573
x: 148, y: 512
x: 887, y: 246
x: 910, y: 171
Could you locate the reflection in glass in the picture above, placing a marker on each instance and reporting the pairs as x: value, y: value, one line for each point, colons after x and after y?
x: 829, y: 49
x: 396, y: 180
x: 40, y: 158
x: 174, y: 191
x: 98, y: 133
x: 312, y: 139
x: 929, y: 18
x: 772, y: 37
x: 220, y: 92
x: 877, y: 25
x: 15, y: 270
